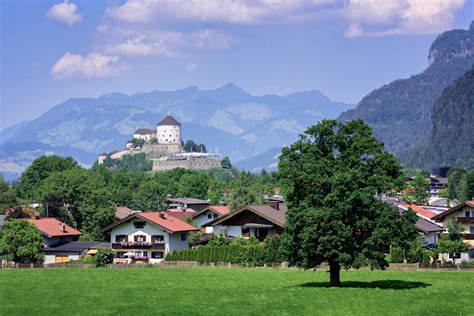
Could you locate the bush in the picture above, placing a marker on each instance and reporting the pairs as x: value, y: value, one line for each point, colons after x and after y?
x: 104, y: 256
x: 88, y: 259
x: 396, y: 255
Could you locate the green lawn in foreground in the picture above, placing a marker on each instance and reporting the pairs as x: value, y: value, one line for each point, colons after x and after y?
x: 232, y: 291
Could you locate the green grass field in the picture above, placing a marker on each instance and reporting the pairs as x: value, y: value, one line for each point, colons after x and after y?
x: 219, y: 291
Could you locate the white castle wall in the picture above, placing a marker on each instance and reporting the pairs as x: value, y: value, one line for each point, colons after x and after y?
x: 198, y: 164
x: 169, y: 134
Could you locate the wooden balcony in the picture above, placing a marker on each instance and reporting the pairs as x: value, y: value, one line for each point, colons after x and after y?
x: 465, y: 220
x: 469, y: 236
x: 138, y: 245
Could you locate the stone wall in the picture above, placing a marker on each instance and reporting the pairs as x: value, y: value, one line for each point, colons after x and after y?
x: 154, y: 151
x: 195, y: 164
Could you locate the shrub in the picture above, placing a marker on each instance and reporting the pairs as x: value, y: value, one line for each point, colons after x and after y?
x: 396, y: 255
x: 88, y: 259
x: 104, y: 256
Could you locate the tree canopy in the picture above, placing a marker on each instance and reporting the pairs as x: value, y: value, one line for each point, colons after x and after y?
x: 333, y: 178
x: 39, y: 170
x: 21, y: 242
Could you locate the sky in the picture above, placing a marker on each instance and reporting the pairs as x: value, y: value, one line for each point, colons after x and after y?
x: 52, y: 50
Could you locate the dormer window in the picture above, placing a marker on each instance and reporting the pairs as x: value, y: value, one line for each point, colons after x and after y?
x: 139, y: 224
x: 121, y: 238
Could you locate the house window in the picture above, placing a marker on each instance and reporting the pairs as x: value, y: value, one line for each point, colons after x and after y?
x: 467, y: 214
x: 471, y: 229
x: 121, y: 238
x: 209, y: 216
x: 157, y: 255
x: 157, y: 239
x: 139, y: 224
x: 215, y: 215
x: 183, y: 237
x: 139, y: 238
x: 120, y: 254
x: 140, y: 254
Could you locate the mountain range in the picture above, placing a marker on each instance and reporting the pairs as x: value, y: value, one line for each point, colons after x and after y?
x: 228, y: 120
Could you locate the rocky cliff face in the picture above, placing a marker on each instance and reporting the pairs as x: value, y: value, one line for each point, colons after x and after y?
x: 400, y: 112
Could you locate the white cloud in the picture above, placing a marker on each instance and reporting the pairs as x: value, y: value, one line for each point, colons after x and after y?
x: 162, y: 45
x: 191, y: 67
x: 395, y: 17
x: 87, y: 66
x: 239, y: 11
x: 65, y: 12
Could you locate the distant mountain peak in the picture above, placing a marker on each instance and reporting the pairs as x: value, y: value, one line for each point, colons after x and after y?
x: 452, y: 45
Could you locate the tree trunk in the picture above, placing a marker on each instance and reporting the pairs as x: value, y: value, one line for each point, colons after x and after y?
x: 334, y: 271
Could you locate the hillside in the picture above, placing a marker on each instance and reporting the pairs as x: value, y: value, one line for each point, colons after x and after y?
x: 400, y: 112
x: 451, y: 141
x: 227, y: 119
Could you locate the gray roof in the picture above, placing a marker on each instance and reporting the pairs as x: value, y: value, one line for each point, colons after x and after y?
x: 427, y: 226
x: 122, y: 211
x: 169, y: 120
x: 187, y: 201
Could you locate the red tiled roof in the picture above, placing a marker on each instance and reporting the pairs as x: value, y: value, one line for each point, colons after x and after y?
x: 168, y: 223
x: 221, y: 209
x: 180, y: 214
x: 51, y: 227
x: 420, y: 210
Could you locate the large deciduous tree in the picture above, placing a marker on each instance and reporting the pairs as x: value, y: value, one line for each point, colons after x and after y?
x: 39, y: 170
x: 333, y: 178
x: 453, y: 242
x: 21, y: 242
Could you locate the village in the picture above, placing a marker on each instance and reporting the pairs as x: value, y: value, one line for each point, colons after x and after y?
x: 138, y: 237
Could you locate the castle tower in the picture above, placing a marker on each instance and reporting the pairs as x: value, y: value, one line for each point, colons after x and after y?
x: 168, y: 131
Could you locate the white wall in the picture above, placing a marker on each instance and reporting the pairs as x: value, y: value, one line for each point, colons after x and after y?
x: 202, y: 218
x: 234, y: 231
x: 172, y: 241
x: 168, y: 134
x: 52, y: 258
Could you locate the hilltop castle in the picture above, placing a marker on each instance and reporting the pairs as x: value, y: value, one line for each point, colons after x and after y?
x: 164, y: 147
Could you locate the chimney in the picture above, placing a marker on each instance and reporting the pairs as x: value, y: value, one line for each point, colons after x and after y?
x: 62, y: 228
x: 162, y: 215
x: 274, y: 204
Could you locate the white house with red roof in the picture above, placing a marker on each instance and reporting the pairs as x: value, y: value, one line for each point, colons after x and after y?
x: 426, y: 223
x: 209, y: 214
x: 148, y: 236
x: 54, y: 232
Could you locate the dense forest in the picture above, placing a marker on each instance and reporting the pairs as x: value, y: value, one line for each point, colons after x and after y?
x: 451, y: 142
x: 400, y: 112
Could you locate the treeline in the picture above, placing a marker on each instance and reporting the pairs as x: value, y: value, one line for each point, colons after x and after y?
x: 249, y: 253
x: 86, y: 199
x: 128, y: 163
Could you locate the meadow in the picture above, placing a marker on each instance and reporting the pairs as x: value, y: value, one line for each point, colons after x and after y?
x: 236, y: 291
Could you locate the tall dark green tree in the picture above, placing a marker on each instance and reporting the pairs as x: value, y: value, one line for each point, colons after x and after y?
x: 420, y: 185
x: 7, y: 196
x: 468, y: 186
x: 333, y: 178
x: 241, y: 193
x: 455, y: 182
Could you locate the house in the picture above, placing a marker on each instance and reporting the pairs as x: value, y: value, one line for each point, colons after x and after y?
x: 436, y: 184
x: 144, y: 133
x: 72, y: 251
x: 54, y: 232
x: 148, y: 236
x: 464, y: 213
x: 258, y: 221
x: 183, y: 203
x: 425, y: 223
x: 209, y: 214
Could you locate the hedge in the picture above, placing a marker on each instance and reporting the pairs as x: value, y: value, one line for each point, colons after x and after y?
x: 267, y: 252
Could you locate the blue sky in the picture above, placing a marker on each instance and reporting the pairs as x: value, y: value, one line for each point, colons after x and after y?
x: 53, y: 50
